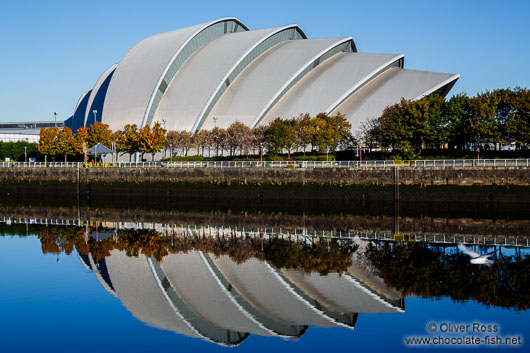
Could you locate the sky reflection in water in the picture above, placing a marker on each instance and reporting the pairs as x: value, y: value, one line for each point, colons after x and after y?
x: 61, y: 306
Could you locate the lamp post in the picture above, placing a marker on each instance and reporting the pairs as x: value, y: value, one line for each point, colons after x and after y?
x: 55, y: 114
x: 215, y: 121
x: 95, y: 111
x: 25, y: 154
x: 171, y: 153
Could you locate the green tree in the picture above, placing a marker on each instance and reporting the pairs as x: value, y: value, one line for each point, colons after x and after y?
x: 281, y: 134
x: 518, y: 123
x: 304, y: 130
x: 456, y: 111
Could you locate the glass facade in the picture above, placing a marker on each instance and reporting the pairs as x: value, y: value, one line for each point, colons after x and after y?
x: 204, y: 36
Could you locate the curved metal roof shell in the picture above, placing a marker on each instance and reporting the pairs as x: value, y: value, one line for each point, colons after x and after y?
x: 262, y: 286
x: 216, y: 299
x: 339, y: 76
x: 78, y: 119
x: 98, y: 94
x: 388, y: 89
x: 220, y: 69
x: 140, y: 293
x: 265, y: 80
x: 344, y: 294
x: 139, y: 74
x: 203, y: 78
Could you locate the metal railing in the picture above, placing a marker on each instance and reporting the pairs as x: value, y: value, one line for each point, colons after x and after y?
x: 375, y: 164
x: 293, y: 234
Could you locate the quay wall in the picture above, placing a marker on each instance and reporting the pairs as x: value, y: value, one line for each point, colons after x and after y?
x: 418, y: 190
x: 275, y: 176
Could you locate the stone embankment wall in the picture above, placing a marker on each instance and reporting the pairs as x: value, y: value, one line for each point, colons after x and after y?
x: 275, y: 176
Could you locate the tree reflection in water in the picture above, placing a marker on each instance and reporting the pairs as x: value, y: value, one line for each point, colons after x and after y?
x: 320, y: 256
x: 423, y: 270
x: 411, y: 268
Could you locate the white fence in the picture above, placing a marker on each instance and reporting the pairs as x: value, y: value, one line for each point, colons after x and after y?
x: 292, y: 234
x: 376, y: 164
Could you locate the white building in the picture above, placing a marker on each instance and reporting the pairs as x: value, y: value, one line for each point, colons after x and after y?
x: 219, y: 72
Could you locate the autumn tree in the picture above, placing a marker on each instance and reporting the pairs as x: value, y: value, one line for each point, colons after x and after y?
x: 171, y: 140
x: 48, y: 142
x: 258, y: 138
x: 332, y: 131
x: 81, y: 137
x: 127, y: 140
x: 305, y: 129
x: 238, y: 138
x: 218, y: 140
x: 151, y: 140
x: 200, y: 141
x: 66, y: 143
x: 99, y: 133
x: 182, y: 140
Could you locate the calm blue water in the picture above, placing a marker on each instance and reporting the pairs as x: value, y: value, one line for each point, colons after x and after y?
x: 51, y: 306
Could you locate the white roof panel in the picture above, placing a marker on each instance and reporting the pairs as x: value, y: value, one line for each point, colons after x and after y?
x: 327, y: 83
x: 138, y: 75
x: 388, y: 89
x: 263, y: 80
x: 201, y: 77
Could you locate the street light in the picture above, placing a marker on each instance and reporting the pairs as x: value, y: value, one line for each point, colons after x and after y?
x: 215, y: 121
x: 55, y: 114
x: 171, y: 153
x: 95, y: 112
x: 25, y: 154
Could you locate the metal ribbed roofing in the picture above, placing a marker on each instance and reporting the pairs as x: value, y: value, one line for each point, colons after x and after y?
x: 137, y: 77
x: 387, y: 89
x: 334, y: 78
x: 139, y: 291
x: 186, y: 77
x: 214, y: 298
x: 262, y: 80
x: 199, y: 79
x: 94, y: 103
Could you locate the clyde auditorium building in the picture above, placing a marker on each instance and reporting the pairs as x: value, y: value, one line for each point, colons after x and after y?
x: 216, y: 73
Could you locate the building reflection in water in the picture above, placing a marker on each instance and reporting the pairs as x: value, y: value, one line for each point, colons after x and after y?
x: 214, y: 298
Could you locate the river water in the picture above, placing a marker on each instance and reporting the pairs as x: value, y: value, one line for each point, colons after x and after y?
x: 136, y: 286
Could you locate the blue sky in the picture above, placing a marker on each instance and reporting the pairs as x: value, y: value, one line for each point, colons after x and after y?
x: 52, y: 51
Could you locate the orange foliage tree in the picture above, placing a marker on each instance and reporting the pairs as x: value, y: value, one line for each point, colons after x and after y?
x: 99, y: 133
x: 66, y: 143
x: 151, y: 140
x: 48, y: 142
